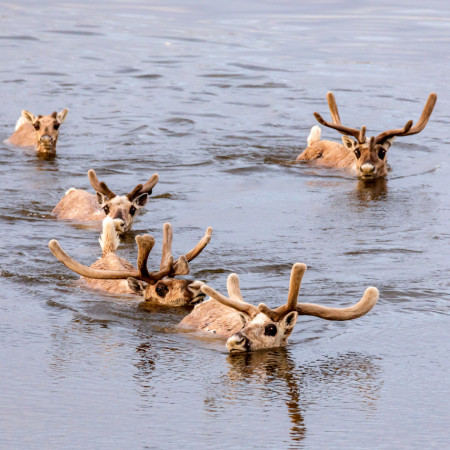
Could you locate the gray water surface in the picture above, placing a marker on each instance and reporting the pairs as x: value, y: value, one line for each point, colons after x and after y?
x: 217, y: 97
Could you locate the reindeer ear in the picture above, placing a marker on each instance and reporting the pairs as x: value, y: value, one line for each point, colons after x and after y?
x: 141, y: 200
x: 101, y: 198
x: 61, y: 116
x: 135, y: 285
x: 349, y: 143
x: 288, y: 323
x: 244, y: 319
x: 28, y: 117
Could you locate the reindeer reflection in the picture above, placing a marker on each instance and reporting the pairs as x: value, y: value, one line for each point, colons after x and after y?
x: 304, y: 384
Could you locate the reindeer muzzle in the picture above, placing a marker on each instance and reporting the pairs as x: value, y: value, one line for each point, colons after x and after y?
x: 195, y: 289
x: 238, y: 343
x: 367, y: 169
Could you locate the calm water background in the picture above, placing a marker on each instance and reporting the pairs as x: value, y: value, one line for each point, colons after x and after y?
x: 217, y: 97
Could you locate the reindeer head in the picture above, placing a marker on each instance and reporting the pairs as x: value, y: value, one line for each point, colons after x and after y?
x: 122, y: 208
x: 263, y: 327
x: 371, y: 154
x: 159, y: 288
x: 47, y: 129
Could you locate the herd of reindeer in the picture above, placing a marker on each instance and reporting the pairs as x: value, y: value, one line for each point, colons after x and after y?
x: 245, y: 326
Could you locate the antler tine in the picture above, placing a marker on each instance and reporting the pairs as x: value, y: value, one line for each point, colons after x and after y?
x: 247, y: 308
x: 333, y: 108
x: 297, y: 272
x: 204, y: 241
x: 85, y: 271
x: 343, y: 130
x: 409, y: 129
x: 234, y: 291
x: 426, y: 113
x: 99, y: 186
x: 367, y: 302
x: 362, y: 134
x: 151, y: 183
x: 167, y: 244
x: 145, y: 244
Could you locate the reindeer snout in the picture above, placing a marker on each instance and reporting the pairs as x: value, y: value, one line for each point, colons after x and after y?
x: 46, y: 139
x: 238, y: 343
x: 194, y: 288
x: 367, y: 169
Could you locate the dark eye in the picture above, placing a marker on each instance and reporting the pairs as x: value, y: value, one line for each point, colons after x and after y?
x: 270, y: 330
x: 56, y: 125
x: 106, y: 209
x: 133, y: 210
x: 357, y: 153
x: 36, y: 125
x: 161, y: 289
x: 381, y: 153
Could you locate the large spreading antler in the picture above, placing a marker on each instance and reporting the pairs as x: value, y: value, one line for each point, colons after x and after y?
x: 136, y: 192
x: 409, y: 129
x: 145, y: 244
x: 235, y: 301
x: 360, y: 135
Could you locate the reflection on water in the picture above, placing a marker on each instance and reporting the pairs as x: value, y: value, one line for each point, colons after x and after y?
x: 368, y: 191
x: 298, y: 385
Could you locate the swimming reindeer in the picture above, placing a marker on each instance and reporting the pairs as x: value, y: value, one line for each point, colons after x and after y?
x: 40, y: 132
x: 118, y: 276
x: 78, y: 204
x: 248, y: 327
x: 366, y: 157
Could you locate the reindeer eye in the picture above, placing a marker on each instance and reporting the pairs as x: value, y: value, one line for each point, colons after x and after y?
x: 381, y: 153
x: 357, y: 153
x: 106, y: 209
x: 270, y: 330
x: 56, y: 125
x: 133, y: 210
x: 161, y: 290
x: 36, y: 125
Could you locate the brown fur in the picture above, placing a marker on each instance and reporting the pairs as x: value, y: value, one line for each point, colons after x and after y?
x: 110, y: 261
x: 80, y: 205
x: 213, y: 317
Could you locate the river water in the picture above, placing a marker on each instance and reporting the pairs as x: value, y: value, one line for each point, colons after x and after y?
x: 217, y: 97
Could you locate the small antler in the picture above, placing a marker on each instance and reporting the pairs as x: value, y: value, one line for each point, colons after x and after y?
x: 337, y: 125
x: 235, y: 300
x: 409, y: 129
x: 100, y: 186
x: 143, y: 189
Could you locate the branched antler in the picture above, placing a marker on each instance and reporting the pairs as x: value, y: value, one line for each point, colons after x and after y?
x: 145, y: 244
x: 235, y: 301
x: 144, y: 189
x: 360, y: 135
x: 409, y: 129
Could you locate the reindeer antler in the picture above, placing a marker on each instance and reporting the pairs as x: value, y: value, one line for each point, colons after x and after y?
x: 297, y: 272
x: 409, y: 129
x: 145, y: 244
x: 235, y: 300
x: 100, y: 186
x: 337, y: 125
x: 181, y: 266
x: 143, y: 189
